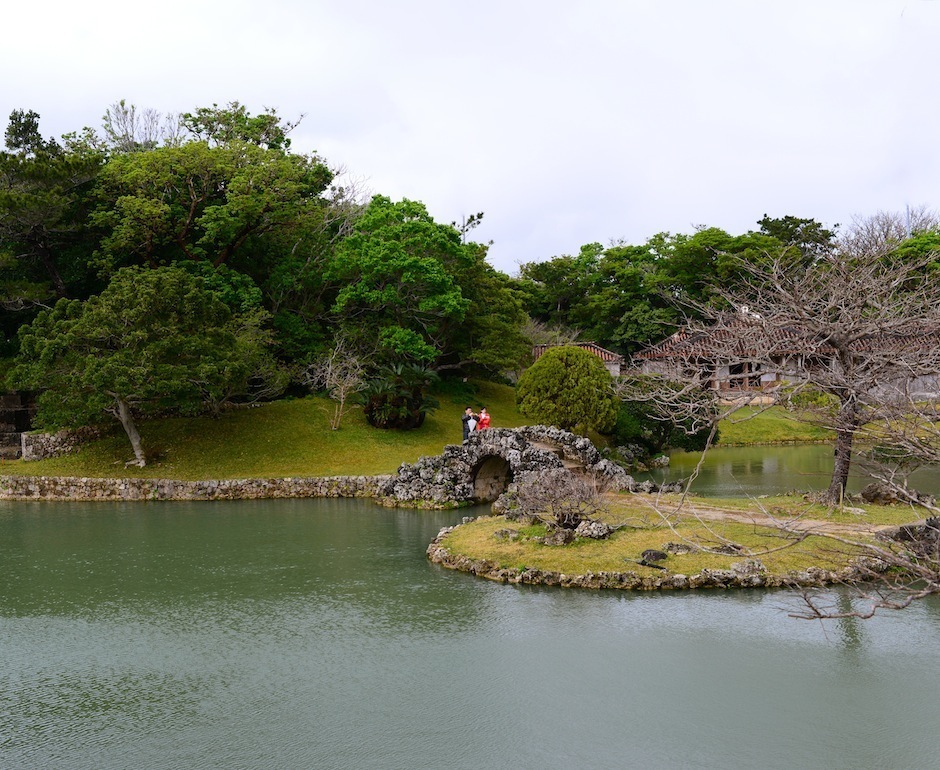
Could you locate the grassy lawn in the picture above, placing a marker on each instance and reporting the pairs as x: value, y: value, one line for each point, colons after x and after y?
x: 282, y: 438
x: 790, y: 506
x: 643, y: 528
x: 292, y: 437
x: 752, y: 425
x: 622, y: 550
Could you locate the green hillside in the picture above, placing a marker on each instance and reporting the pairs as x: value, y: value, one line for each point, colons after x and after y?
x: 292, y: 437
x: 281, y: 438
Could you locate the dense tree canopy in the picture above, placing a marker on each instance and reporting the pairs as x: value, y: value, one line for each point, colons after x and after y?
x: 155, y: 341
x: 808, y: 236
x: 202, y: 202
x: 491, y: 339
x: 397, y: 283
x: 44, y: 187
x: 627, y: 297
x: 298, y: 259
x: 218, y: 193
x: 412, y: 290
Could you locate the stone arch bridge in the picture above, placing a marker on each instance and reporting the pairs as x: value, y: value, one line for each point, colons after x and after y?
x: 481, y: 469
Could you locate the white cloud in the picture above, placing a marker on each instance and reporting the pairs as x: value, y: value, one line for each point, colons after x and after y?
x: 566, y: 123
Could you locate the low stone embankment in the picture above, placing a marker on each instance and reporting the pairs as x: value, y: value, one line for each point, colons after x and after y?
x: 745, y: 574
x: 106, y: 489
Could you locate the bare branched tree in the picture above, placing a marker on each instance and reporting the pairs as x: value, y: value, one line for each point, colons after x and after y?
x: 128, y: 129
x: 540, y: 333
x: 347, y: 198
x: 557, y: 497
x: 889, y: 228
x: 342, y: 373
x: 850, y: 343
x: 902, y: 569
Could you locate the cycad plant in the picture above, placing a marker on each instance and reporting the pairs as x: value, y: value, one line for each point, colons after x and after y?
x: 397, y: 396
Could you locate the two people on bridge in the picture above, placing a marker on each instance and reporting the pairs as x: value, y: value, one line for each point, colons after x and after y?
x: 472, y: 422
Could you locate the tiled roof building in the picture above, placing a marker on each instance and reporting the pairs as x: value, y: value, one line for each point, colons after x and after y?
x: 613, y: 361
x: 746, y: 352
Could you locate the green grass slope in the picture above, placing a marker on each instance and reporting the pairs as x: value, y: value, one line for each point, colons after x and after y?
x: 293, y: 438
x: 279, y: 439
x: 767, y: 426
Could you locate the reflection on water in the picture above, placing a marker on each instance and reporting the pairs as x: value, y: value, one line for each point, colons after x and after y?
x: 299, y: 634
x: 770, y: 470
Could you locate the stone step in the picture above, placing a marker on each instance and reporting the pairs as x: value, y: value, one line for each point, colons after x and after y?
x: 555, y: 450
x: 10, y: 438
x: 11, y: 446
x: 572, y: 465
x: 11, y: 401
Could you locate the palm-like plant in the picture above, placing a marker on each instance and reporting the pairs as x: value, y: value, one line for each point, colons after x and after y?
x: 397, y: 397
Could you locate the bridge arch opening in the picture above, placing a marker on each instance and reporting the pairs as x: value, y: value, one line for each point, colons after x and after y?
x: 491, y: 478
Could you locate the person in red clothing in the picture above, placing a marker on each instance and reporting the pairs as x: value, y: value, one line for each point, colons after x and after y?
x: 484, y: 422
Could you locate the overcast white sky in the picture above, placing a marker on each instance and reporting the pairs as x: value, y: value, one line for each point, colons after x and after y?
x: 564, y: 122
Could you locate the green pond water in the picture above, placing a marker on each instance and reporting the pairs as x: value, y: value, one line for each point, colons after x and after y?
x: 758, y: 470
x: 315, y: 634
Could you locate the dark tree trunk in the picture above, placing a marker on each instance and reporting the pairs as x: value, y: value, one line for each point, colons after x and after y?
x: 53, y: 270
x: 846, y: 426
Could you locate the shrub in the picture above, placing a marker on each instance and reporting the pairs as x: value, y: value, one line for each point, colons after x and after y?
x: 568, y: 387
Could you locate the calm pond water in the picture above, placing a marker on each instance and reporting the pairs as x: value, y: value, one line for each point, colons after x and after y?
x: 760, y: 470
x: 314, y: 634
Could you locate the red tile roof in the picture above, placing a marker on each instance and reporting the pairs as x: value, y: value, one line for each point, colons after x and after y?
x: 597, y: 350
x: 749, y: 336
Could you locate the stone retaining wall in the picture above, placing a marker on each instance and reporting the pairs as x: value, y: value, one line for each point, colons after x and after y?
x: 40, y: 446
x: 95, y: 489
x: 443, y: 481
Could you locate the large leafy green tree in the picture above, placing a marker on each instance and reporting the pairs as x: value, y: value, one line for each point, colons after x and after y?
x: 556, y: 288
x: 233, y: 123
x: 223, y: 188
x: 396, y: 271
x: 568, y: 387
x: 490, y: 337
x: 155, y: 341
x: 418, y: 292
x: 626, y: 307
x: 200, y: 202
x: 291, y: 269
x: 809, y: 237
x: 44, y: 189
x: 694, y: 264
x: 230, y: 195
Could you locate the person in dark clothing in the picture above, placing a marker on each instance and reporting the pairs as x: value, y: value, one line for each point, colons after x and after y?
x: 469, y: 422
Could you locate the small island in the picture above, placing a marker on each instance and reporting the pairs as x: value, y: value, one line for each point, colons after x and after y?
x: 650, y: 545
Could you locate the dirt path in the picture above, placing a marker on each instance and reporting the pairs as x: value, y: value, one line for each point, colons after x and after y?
x: 798, y: 524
